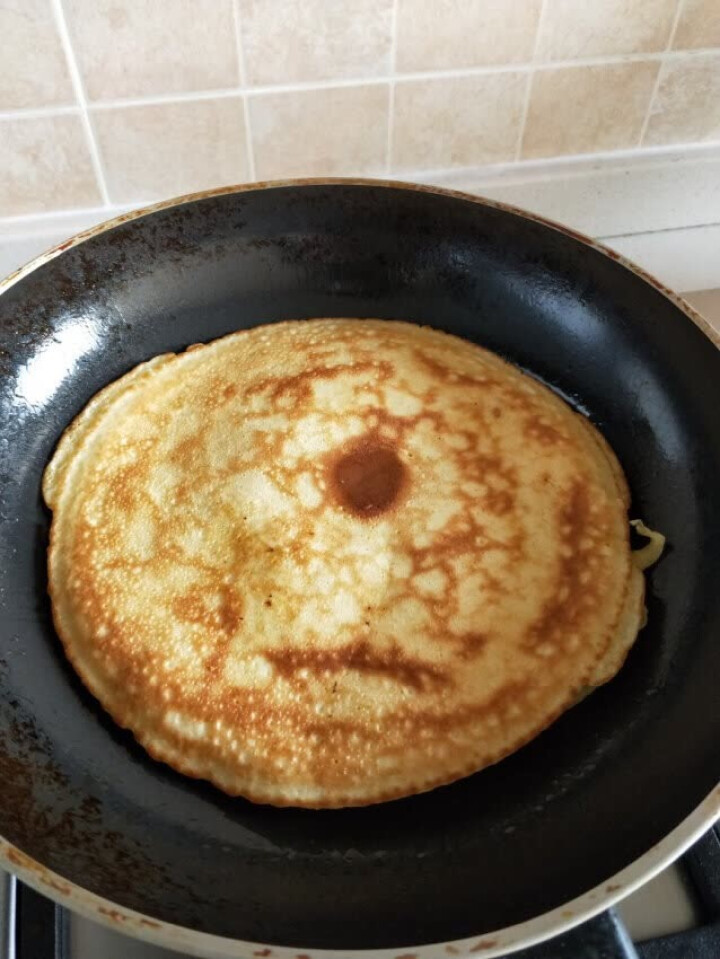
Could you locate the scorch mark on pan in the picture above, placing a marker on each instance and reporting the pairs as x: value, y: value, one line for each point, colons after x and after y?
x: 19, y: 859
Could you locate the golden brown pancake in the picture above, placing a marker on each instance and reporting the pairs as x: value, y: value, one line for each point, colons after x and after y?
x: 334, y: 562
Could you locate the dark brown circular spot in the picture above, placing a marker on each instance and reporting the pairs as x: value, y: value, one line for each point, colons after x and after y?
x: 368, y: 479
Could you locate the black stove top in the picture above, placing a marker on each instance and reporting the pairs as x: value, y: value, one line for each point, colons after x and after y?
x: 33, y: 927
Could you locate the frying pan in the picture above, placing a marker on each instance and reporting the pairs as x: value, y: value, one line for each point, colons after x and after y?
x: 614, y: 790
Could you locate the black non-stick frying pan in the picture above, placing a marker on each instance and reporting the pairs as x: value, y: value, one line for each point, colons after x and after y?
x: 604, y: 798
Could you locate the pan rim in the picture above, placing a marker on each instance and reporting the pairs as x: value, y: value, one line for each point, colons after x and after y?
x: 501, y: 942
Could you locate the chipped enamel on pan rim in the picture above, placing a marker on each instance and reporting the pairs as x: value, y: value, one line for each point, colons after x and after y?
x: 492, y: 944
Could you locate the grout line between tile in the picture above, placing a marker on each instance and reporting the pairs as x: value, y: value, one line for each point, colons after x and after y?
x: 249, y: 143
x: 79, y: 89
x: 656, y: 85
x: 391, y: 87
x: 668, y: 229
x: 260, y: 90
x: 528, y: 83
x: 649, y: 110
x: 39, y: 113
x: 162, y: 98
x: 523, y: 117
x: 675, y: 24
x: 519, y: 67
x: 242, y: 77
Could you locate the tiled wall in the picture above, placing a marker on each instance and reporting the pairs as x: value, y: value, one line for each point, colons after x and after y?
x: 111, y: 102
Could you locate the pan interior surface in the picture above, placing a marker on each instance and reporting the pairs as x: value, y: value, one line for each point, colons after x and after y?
x: 591, y: 794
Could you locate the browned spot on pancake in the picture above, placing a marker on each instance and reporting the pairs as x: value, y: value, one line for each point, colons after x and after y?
x: 502, y: 703
x: 563, y: 610
x: 191, y: 607
x: 470, y: 645
x: 262, y: 953
x: 361, y: 657
x: 299, y: 386
x: 368, y: 478
x: 450, y: 377
x: 501, y: 482
x: 484, y: 945
x: 231, y: 610
x: 194, y: 607
x: 186, y: 450
x: 499, y: 502
x: 538, y: 428
x: 124, y: 484
x: 215, y: 662
x: 224, y: 618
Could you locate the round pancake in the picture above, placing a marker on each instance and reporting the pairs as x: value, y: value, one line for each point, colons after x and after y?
x: 334, y: 562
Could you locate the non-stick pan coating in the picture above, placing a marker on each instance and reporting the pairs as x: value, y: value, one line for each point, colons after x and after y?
x: 605, y: 783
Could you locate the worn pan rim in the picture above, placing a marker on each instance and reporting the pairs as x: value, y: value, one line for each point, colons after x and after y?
x: 503, y: 941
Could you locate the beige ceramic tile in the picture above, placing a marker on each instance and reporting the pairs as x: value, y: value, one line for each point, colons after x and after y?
x: 592, y: 28
x: 458, y: 121
x: 163, y: 150
x: 707, y: 303
x: 45, y: 165
x: 587, y: 109
x: 687, y: 105
x: 139, y: 48
x: 33, y: 71
x: 451, y: 34
x: 287, y: 41
x: 699, y: 25
x: 335, y: 132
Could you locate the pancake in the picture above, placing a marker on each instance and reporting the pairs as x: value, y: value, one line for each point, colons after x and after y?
x: 335, y: 562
